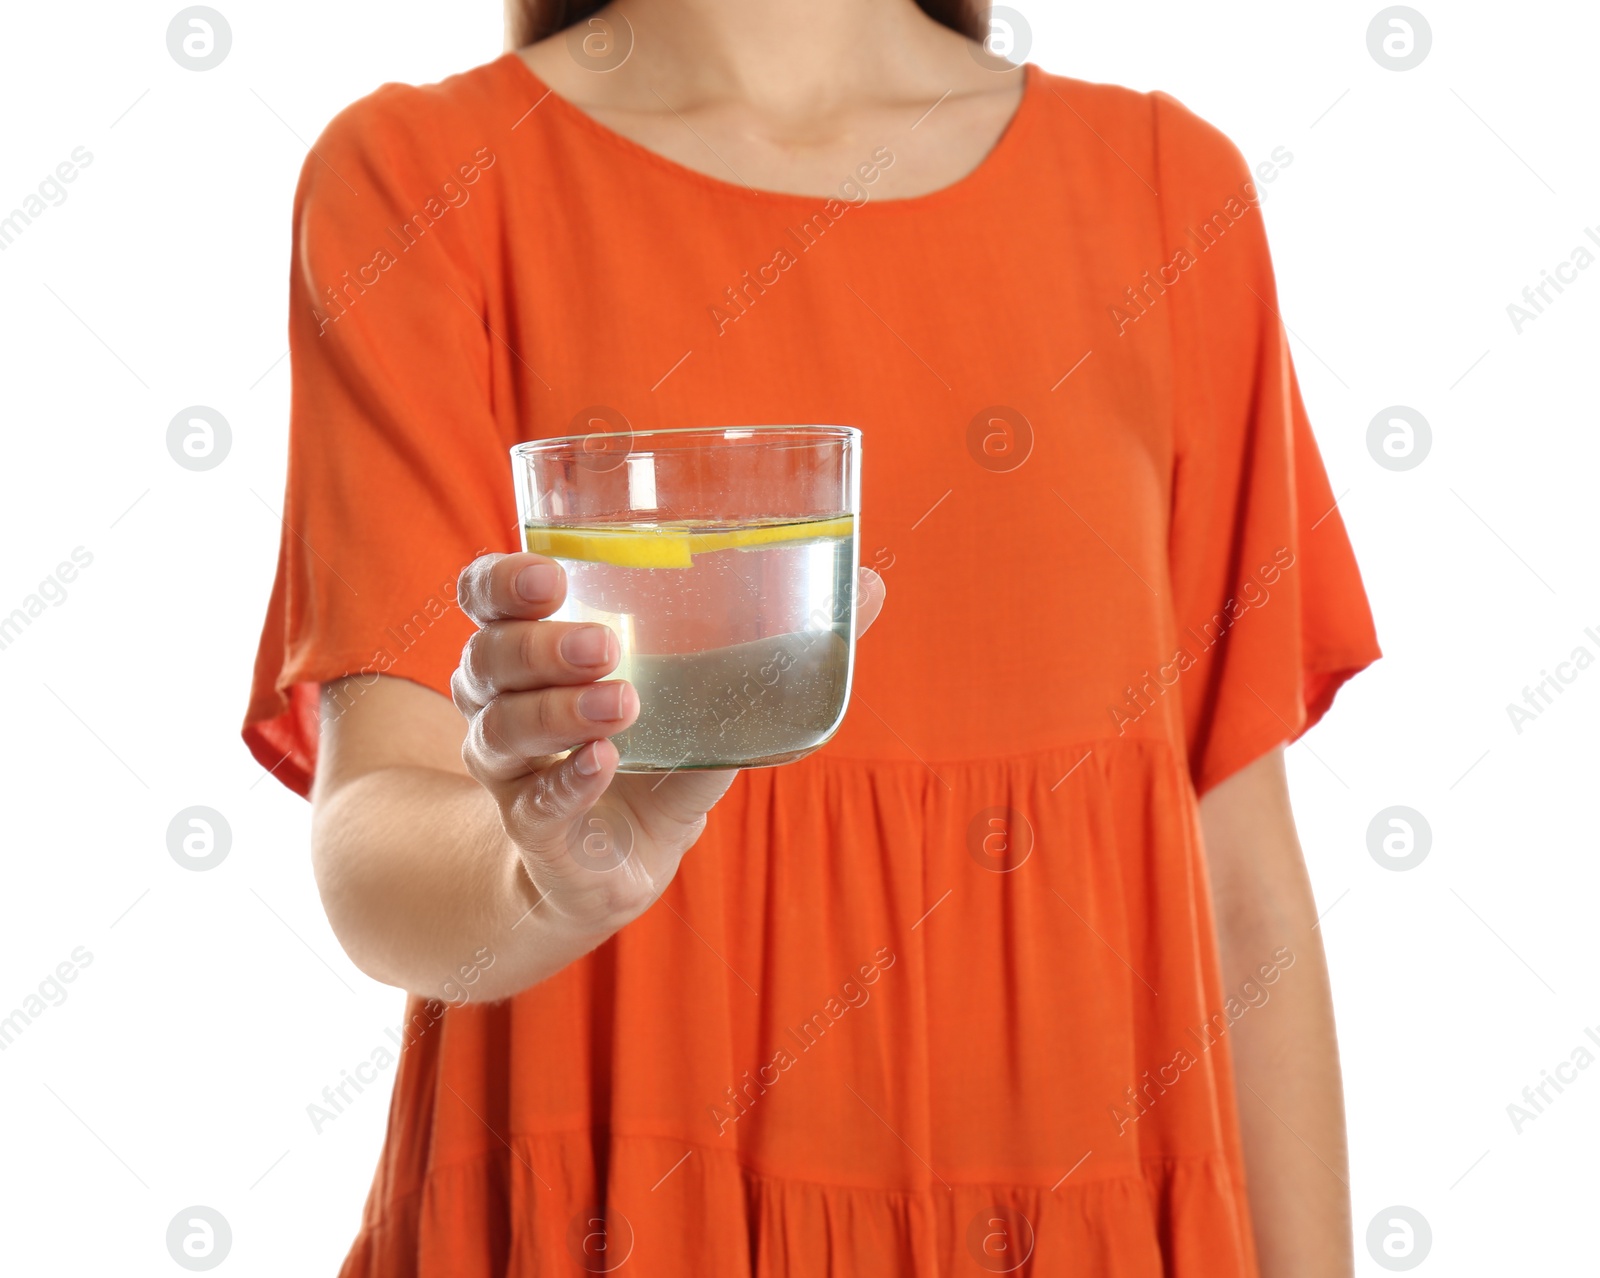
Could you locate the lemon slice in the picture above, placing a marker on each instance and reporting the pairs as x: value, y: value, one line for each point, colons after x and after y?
x: 672, y: 545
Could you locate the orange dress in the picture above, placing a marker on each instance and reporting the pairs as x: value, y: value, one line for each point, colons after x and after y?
x: 942, y: 998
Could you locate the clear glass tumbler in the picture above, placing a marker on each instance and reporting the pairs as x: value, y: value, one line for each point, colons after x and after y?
x: 725, y: 560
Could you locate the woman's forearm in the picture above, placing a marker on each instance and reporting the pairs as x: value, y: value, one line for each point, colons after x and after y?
x: 1291, y: 1104
x: 1285, y: 1054
x: 425, y: 891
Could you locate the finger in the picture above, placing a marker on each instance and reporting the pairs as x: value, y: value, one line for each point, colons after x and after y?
x: 519, y: 656
x: 550, y: 799
x: 494, y: 587
x: 870, y: 594
x: 517, y: 731
x: 581, y: 849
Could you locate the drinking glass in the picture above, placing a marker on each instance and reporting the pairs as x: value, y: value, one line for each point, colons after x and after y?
x: 725, y: 560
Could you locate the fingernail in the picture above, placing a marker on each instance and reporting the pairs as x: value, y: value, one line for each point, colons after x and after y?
x: 587, y: 760
x: 586, y: 646
x: 537, y: 582
x: 601, y: 702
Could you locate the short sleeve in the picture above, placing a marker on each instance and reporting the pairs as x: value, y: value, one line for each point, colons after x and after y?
x: 1270, y: 613
x: 397, y: 472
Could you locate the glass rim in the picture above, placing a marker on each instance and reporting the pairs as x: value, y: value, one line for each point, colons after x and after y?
x: 813, y: 433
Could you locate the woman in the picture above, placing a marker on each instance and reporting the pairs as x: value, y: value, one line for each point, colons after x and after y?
x: 1018, y: 972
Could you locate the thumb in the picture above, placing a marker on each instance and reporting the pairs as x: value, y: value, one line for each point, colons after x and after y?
x: 870, y: 595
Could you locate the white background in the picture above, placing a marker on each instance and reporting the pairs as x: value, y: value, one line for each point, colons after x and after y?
x: 218, y: 1005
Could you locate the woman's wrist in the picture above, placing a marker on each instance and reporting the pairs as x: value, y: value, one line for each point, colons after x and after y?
x: 532, y: 940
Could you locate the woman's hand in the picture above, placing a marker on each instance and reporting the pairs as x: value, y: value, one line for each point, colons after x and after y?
x: 599, y: 848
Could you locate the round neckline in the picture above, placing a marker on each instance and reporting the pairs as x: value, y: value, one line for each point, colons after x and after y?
x: 994, y: 159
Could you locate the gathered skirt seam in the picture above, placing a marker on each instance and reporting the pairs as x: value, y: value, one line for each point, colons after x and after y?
x: 1158, y: 744
x: 1215, y: 1157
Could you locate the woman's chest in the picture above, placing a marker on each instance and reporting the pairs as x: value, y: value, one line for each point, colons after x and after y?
x: 1017, y: 447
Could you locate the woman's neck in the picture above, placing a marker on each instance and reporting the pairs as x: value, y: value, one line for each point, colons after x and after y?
x: 799, y: 59
x: 792, y: 96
